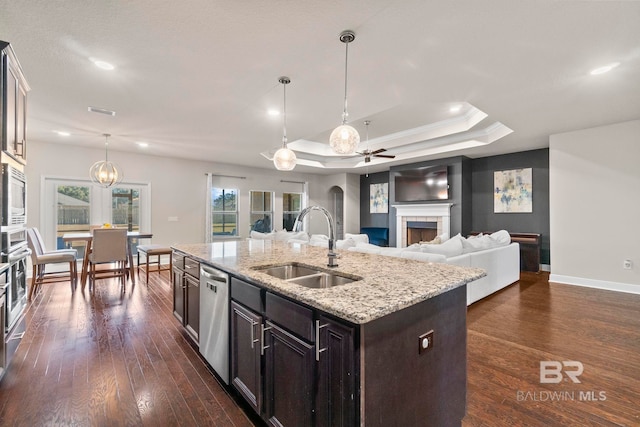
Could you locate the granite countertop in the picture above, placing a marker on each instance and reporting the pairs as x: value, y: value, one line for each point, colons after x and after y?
x: 388, y: 284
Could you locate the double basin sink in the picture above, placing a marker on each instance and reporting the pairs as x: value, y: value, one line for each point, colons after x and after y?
x: 307, y: 276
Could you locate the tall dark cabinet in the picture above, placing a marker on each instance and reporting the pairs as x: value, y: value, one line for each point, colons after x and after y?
x: 14, y: 105
x: 13, y: 202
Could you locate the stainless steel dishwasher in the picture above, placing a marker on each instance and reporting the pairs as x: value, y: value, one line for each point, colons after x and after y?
x: 214, y: 319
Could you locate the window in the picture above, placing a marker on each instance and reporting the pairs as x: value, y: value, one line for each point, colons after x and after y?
x: 75, y: 205
x: 291, y: 207
x: 224, y: 212
x: 261, y: 215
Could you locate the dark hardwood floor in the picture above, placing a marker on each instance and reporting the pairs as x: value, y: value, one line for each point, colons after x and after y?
x: 512, y: 331
x: 112, y: 359
x: 109, y: 359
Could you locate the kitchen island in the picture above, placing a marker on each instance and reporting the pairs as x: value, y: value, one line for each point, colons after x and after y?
x: 386, y: 349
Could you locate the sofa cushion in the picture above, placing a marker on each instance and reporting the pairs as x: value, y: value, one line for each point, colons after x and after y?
x: 357, y: 238
x: 367, y: 248
x: 450, y: 248
x: 345, y: 243
x: 262, y: 236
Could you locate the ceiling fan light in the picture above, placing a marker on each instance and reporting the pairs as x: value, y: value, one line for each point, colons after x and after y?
x: 344, y: 139
x: 284, y: 159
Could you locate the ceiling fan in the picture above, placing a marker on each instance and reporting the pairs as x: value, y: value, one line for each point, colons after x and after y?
x: 367, y: 153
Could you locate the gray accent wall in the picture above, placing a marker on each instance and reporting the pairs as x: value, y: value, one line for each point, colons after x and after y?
x: 471, y: 192
x: 484, y: 219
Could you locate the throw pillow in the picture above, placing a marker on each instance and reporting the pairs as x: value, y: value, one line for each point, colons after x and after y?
x: 364, y: 238
x: 450, y: 248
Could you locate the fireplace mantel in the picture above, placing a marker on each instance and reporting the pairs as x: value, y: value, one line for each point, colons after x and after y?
x: 439, y: 212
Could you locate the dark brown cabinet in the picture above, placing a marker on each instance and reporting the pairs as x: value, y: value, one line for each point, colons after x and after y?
x: 288, y: 378
x: 335, y: 400
x: 185, y: 274
x: 14, y: 104
x: 294, y: 366
x: 246, y: 375
x: 177, y: 274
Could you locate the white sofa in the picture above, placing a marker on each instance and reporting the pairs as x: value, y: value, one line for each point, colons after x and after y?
x: 493, y: 253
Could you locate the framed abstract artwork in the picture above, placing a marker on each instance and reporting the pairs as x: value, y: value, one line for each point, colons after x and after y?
x: 512, y: 191
x: 379, y: 198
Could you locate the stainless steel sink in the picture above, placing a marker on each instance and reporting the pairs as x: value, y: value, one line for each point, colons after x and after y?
x: 322, y: 280
x: 307, y: 276
x: 289, y: 271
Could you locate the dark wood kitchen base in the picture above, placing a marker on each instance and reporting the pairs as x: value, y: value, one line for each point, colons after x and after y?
x: 126, y: 360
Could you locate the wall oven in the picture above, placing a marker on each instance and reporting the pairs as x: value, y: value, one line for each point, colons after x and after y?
x: 16, y: 290
x: 14, y: 197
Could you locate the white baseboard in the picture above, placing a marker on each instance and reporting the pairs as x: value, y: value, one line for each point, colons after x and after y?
x: 598, y: 284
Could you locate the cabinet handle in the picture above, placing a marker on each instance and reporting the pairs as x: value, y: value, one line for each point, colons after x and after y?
x: 262, y: 346
x: 318, y: 349
x: 253, y: 325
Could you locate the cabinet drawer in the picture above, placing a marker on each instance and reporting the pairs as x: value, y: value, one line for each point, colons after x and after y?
x: 294, y: 317
x: 177, y: 261
x: 192, y: 267
x: 247, y: 294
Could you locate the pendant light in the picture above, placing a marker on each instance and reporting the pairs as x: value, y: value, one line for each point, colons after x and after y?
x: 105, y: 173
x: 345, y: 139
x: 285, y: 158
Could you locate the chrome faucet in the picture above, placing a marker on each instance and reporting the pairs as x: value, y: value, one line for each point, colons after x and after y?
x: 332, y: 236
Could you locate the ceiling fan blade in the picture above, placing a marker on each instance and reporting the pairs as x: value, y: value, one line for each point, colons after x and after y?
x: 379, y: 150
x: 386, y: 156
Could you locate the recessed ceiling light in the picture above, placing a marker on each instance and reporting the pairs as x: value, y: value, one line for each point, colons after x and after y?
x: 142, y: 144
x: 62, y: 133
x: 604, y: 69
x: 455, y: 108
x: 103, y: 64
x: 273, y: 113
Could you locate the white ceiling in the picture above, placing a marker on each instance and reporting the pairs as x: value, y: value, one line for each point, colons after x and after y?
x: 195, y: 78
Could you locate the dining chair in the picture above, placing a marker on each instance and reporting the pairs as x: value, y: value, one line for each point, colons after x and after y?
x: 108, y: 255
x: 40, y: 257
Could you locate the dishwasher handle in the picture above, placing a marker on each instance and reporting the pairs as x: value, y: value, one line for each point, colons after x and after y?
x: 215, y: 275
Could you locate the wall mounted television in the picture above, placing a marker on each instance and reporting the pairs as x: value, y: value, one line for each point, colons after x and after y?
x: 422, y: 184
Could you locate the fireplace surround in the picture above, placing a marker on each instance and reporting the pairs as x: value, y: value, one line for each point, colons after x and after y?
x: 438, y: 213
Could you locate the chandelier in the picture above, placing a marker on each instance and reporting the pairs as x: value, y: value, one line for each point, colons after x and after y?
x: 103, y: 172
x: 345, y: 139
x: 285, y: 158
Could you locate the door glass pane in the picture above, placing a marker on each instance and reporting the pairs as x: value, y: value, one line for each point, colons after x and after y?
x: 291, y: 207
x: 125, y: 208
x: 74, y: 213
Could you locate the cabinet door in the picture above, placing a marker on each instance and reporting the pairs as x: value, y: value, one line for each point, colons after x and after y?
x: 245, y: 354
x: 335, y: 401
x: 178, y: 294
x: 289, y: 376
x: 21, y: 123
x: 10, y: 124
x: 192, y: 312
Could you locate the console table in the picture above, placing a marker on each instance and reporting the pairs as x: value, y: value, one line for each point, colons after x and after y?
x: 530, y: 244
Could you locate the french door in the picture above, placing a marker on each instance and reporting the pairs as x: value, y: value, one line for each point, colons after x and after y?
x: 70, y: 205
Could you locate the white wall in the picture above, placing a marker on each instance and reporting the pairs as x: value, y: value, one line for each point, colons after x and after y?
x: 178, y: 186
x: 595, y: 206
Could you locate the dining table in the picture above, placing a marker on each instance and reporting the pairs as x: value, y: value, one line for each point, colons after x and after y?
x: 86, y: 236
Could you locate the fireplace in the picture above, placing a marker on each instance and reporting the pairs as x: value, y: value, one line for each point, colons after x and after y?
x: 421, y: 231
x: 433, y: 213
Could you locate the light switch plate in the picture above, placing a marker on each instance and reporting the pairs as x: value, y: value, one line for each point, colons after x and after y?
x: 425, y: 342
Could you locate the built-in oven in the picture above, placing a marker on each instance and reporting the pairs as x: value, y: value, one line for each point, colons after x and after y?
x: 14, y: 197
x: 16, y: 290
